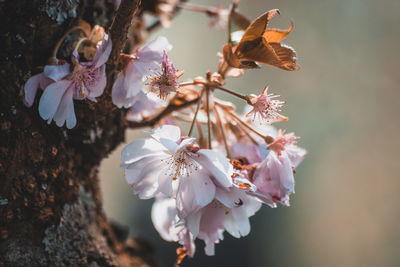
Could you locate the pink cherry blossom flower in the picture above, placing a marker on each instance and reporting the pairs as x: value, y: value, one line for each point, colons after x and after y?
x: 230, y: 211
x: 85, y: 80
x: 266, y: 107
x: 140, y: 64
x: 166, y: 81
x: 274, y: 176
x: 174, y: 166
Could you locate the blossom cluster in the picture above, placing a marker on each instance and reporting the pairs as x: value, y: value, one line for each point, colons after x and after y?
x: 199, y: 192
x: 82, y: 79
x: 203, y: 185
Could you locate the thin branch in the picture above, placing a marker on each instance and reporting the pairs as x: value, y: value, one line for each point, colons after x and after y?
x: 236, y: 117
x: 195, y: 113
x: 208, y: 116
x: 222, y: 131
x: 157, y: 23
x: 168, y: 110
x: 231, y: 92
x: 119, y: 35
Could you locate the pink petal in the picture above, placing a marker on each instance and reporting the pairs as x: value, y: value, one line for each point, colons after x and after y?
x: 194, y: 191
x: 217, y: 165
x: 153, y: 50
x: 119, y: 91
x: 36, y: 81
x: 65, y: 111
x: 193, y: 222
x: 147, y: 184
x: 237, y: 222
x: 51, y: 98
x: 97, y: 89
x: 296, y: 154
x: 57, y: 72
x: 133, y: 80
x: 163, y: 213
x: 165, y: 183
x: 139, y: 149
x: 103, y: 52
x: 170, y: 132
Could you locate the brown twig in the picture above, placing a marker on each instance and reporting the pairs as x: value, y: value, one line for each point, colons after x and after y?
x: 195, y: 113
x: 168, y: 110
x: 119, y: 35
x: 120, y: 27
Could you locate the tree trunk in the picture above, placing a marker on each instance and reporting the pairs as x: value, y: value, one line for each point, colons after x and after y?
x: 50, y: 204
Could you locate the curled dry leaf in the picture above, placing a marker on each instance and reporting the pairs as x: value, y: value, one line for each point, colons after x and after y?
x: 261, y: 45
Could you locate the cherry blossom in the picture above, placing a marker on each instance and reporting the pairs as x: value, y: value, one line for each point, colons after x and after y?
x: 78, y: 81
x: 266, y: 107
x: 139, y: 64
x: 166, y: 81
x: 274, y: 176
x: 175, y: 166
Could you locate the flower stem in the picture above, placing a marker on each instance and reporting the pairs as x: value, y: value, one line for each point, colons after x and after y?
x: 195, y: 113
x: 231, y: 92
x: 222, y: 131
x: 208, y: 116
x: 193, y: 7
x: 245, y: 124
x: 53, y: 58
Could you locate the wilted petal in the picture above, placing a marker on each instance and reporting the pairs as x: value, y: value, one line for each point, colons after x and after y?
x: 51, y: 98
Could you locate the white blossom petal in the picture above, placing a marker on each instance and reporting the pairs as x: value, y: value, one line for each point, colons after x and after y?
x: 163, y: 215
x: 217, y: 165
x: 194, y: 192
x: 139, y: 149
x: 170, y: 132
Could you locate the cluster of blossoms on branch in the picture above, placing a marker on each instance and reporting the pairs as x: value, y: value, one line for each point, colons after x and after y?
x: 203, y: 185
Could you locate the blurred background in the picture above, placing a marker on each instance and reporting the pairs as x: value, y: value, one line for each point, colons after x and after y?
x: 343, y: 103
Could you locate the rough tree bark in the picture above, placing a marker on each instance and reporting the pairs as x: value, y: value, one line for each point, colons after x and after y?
x: 50, y: 204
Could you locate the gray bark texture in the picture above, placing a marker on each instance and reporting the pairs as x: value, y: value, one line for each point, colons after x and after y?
x: 50, y: 205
